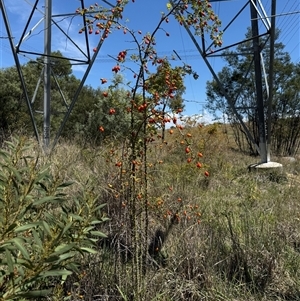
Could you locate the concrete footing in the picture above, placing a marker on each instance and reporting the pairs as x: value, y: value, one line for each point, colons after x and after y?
x: 269, y: 166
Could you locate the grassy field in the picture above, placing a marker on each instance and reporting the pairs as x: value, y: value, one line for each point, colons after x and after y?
x: 237, y: 235
x: 218, y: 232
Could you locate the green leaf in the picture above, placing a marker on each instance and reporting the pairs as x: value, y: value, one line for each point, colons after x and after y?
x: 27, y: 264
x: 62, y: 232
x: 66, y: 184
x: 96, y: 222
x: 99, y: 207
x: 66, y: 228
x: 55, y: 273
x: 63, y: 249
x: 16, y: 185
x: 51, y: 258
x: 43, y: 174
x: 72, y: 266
x: 98, y: 233
x: 89, y: 250
x: 46, y: 228
x: 66, y: 256
x: 19, y: 244
x: 76, y: 217
x: 88, y: 229
x: 9, y: 260
x: 16, y: 173
x: 11, y: 145
x: 4, y: 153
x: 34, y: 294
x: 37, y: 239
x: 25, y: 227
x: 46, y: 199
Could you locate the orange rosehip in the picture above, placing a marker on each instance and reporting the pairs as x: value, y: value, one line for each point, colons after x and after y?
x: 187, y: 150
x: 112, y: 111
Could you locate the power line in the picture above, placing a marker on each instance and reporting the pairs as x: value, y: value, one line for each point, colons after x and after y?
x: 298, y: 45
x: 291, y: 11
x: 287, y: 23
x: 29, y: 3
x: 286, y: 3
x: 290, y: 33
x: 279, y: 15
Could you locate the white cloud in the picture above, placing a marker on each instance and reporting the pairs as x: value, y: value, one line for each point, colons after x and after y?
x: 20, y: 10
x: 72, y: 44
x: 204, y: 118
x: 79, y: 68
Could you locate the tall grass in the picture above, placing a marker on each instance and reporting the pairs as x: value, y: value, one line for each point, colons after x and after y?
x: 235, y: 236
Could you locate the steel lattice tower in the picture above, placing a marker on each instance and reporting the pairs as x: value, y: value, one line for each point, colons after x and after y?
x: 257, y: 13
x: 48, y: 74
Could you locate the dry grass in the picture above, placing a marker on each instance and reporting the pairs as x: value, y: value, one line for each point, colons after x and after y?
x: 238, y: 234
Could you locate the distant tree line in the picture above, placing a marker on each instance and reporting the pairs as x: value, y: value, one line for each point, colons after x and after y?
x: 91, y: 111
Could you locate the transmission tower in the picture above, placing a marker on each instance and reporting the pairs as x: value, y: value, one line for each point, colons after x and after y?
x: 257, y: 15
x: 48, y: 75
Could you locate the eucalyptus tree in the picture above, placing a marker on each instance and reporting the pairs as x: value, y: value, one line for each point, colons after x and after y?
x: 238, y: 78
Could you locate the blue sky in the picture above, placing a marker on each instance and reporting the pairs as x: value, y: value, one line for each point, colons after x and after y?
x: 143, y: 15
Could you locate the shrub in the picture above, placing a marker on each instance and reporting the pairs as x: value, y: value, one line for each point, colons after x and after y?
x: 42, y: 228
